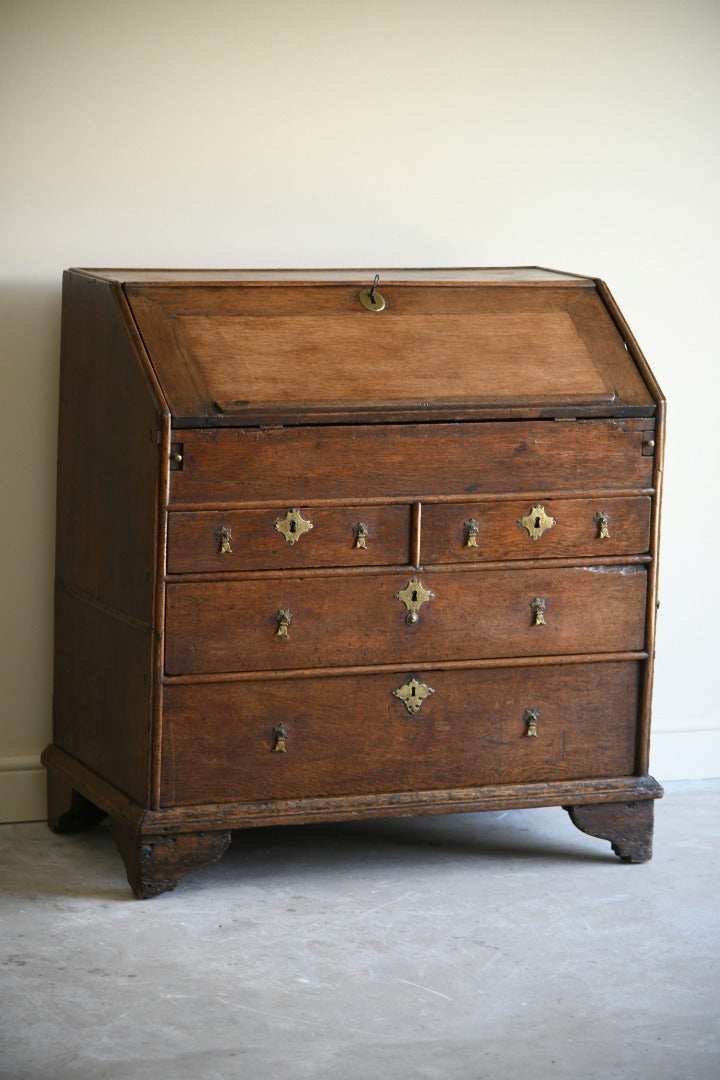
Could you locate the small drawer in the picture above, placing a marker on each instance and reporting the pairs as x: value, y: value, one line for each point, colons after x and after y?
x: 320, y: 621
x: 288, y: 537
x: 293, y: 738
x: 534, y: 529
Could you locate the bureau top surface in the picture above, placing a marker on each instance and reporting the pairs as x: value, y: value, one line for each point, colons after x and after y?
x: 291, y: 346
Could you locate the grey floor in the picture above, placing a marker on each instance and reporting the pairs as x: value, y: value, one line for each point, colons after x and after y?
x: 503, y: 946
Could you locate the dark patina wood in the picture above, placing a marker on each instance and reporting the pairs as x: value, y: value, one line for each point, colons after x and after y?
x: 628, y: 827
x: 199, y: 409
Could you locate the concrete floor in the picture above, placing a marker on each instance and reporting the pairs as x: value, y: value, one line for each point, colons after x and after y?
x: 503, y: 946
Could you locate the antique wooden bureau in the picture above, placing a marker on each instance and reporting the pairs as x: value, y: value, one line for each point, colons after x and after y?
x: 334, y: 545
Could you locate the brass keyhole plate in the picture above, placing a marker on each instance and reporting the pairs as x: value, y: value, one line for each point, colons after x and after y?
x: 292, y: 526
x: 413, y: 596
x: 537, y: 522
x: 413, y: 693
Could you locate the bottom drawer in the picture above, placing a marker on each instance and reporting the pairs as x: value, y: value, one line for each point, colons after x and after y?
x: 272, y: 739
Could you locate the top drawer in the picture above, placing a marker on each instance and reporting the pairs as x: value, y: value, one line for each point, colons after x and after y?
x: 413, y: 461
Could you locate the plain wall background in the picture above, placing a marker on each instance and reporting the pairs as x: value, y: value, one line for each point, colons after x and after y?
x: 333, y: 133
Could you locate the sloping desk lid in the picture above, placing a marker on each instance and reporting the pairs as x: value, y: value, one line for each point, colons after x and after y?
x: 283, y: 347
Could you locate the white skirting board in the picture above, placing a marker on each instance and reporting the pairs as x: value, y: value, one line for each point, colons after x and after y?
x: 691, y: 753
x: 22, y: 789
x: 676, y: 754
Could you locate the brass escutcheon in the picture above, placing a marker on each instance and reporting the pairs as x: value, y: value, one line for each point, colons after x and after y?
x: 602, y: 520
x: 372, y: 298
x: 223, y: 535
x: 283, y: 618
x: 361, y: 533
x: 530, y: 719
x: 537, y: 606
x: 413, y: 693
x: 413, y: 596
x: 280, y: 734
x: 472, y: 528
x: 537, y: 522
x: 292, y: 526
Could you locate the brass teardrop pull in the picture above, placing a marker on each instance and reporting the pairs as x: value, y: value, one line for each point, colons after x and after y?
x: 361, y: 532
x: 223, y: 535
x: 537, y: 606
x: 602, y: 520
x: 530, y: 719
x: 472, y: 528
x: 280, y: 734
x: 283, y: 618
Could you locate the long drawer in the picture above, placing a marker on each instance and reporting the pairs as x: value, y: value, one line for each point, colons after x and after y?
x: 413, y: 461
x: 331, y: 620
x: 289, y: 738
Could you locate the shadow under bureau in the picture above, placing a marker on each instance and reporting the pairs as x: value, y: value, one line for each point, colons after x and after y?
x: 335, y: 545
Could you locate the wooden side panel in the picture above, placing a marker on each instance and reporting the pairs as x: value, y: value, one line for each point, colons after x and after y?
x: 108, y: 454
x: 339, y: 620
x: 109, y: 462
x: 346, y: 736
x: 102, y: 698
x: 410, y: 461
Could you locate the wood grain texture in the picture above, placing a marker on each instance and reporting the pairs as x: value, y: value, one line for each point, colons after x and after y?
x: 409, y: 461
x: 232, y: 348
x: 346, y: 736
x: 231, y: 626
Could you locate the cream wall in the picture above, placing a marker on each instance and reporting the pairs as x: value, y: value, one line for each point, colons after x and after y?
x: 334, y: 133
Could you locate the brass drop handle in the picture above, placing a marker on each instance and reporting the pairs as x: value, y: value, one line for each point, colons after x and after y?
x: 413, y: 596
x: 361, y: 533
x: 537, y: 606
x: 280, y: 734
x: 283, y: 618
x: 223, y: 535
x: 472, y: 528
x: 602, y: 520
x: 530, y: 719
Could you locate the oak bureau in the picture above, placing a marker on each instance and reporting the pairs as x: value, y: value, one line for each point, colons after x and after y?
x: 340, y: 544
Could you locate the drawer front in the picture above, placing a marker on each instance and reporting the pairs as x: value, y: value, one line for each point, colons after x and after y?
x: 346, y: 620
x: 544, y: 528
x: 409, y: 461
x: 290, y: 738
x: 288, y: 537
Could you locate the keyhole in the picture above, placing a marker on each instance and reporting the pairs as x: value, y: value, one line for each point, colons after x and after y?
x: 414, y: 596
x: 293, y: 526
x: 537, y: 523
x: 412, y: 691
